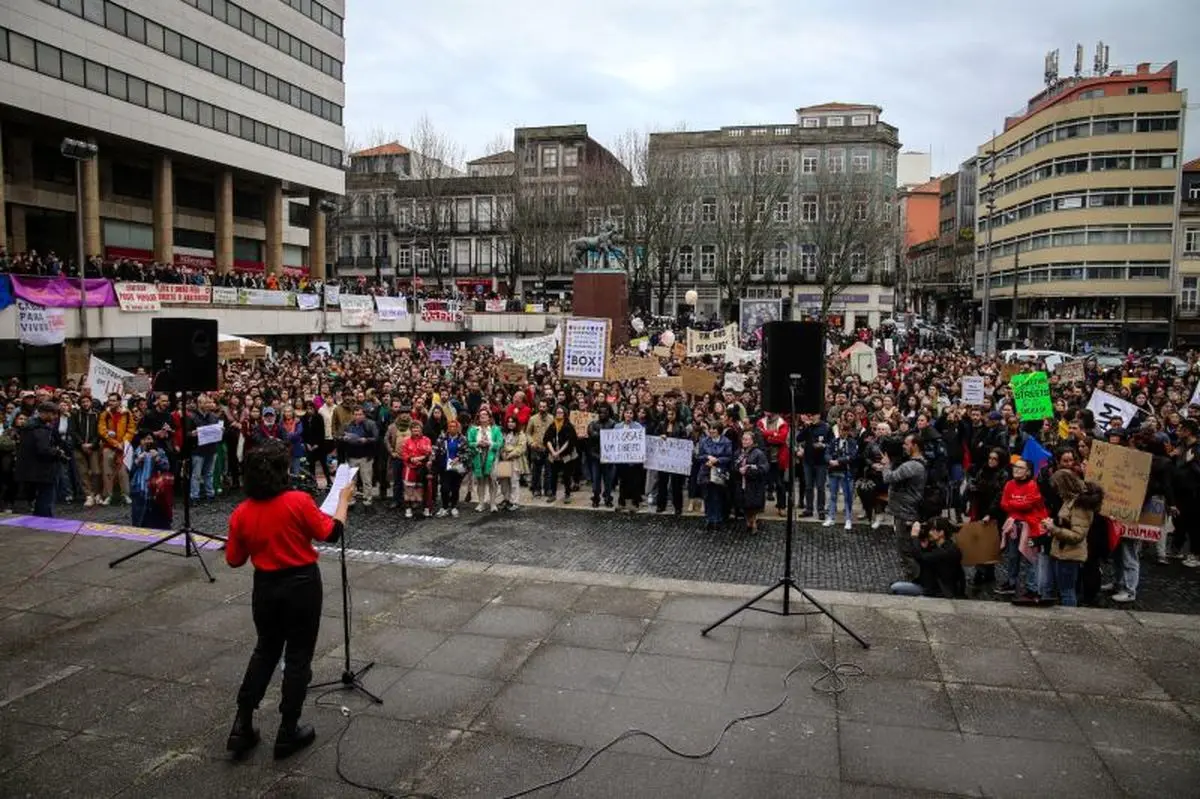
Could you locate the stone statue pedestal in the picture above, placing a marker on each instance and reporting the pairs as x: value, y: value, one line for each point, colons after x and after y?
x: 604, y: 294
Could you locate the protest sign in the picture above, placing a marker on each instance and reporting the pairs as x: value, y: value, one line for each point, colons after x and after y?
x: 1123, y: 473
x: 661, y: 352
x: 494, y: 306
x: 1031, y: 393
x: 670, y: 455
x: 623, y: 445
x: 136, y: 384
x: 40, y: 327
x: 973, y: 390
x: 401, y: 343
x: 696, y: 381
x: 184, y: 294
x: 1150, y: 524
x: 333, y: 294
x: 580, y: 421
x: 391, y: 308
x: 210, y: 433
x: 1010, y: 369
x: 634, y: 368
x: 710, y: 342
x: 358, y: 310
x: 664, y: 385
x: 441, y: 356
x: 1105, y: 408
x: 224, y: 295
x: 137, y: 297
x: 512, y: 373
x: 267, y: 297
x: 679, y: 351
x: 738, y: 356
x: 735, y: 381
x: 979, y: 543
x: 441, y: 311
x: 1071, y: 372
x: 585, y: 348
x: 526, y: 351
x: 320, y: 348
x: 76, y: 353
x: 103, y: 378
x: 307, y: 302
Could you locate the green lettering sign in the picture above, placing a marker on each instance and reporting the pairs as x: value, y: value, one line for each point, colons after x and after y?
x: 1031, y: 393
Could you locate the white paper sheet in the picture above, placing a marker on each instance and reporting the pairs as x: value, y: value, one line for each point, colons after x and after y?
x: 341, y: 478
x: 210, y: 433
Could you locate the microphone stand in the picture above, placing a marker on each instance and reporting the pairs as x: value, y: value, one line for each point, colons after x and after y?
x: 787, y: 582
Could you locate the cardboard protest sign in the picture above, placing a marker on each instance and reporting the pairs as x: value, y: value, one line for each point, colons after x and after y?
x: 1123, y: 473
x: 1010, y: 369
x: 735, y: 381
x: 623, y: 445
x: 512, y: 373
x: 580, y: 421
x: 710, y: 342
x: 670, y: 455
x: 1071, y: 372
x: 661, y: 352
x: 633, y: 368
x: 973, y: 390
x: 664, y: 385
x: 1150, y: 524
x: 679, y: 351
x: 696, y: 381
x: 1031, y: 392
x: 1106, y: 407
x: 979, y: 543
x: 136, y: 384
x: 401, y: 343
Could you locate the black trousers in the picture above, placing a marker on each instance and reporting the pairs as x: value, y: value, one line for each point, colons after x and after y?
x: 631, y: 481
x: 672, y: 483
x: 287, y: 615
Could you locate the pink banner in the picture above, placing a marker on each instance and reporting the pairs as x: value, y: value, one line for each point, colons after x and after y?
x: 60, y: 292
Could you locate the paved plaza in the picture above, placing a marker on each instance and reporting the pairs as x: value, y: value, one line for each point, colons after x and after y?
x: 495, y: 677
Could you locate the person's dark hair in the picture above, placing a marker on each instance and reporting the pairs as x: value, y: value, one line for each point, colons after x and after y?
x: 265, y: 470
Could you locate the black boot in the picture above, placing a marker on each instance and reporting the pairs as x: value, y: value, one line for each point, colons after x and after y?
x: 243, y: 737
x: 292, y: 737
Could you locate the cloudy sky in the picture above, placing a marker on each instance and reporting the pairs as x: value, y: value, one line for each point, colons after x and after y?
x: 946, y: 72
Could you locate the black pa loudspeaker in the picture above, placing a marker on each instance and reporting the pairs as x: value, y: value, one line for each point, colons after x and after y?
x: 792, y: 350
x: 184, y: 352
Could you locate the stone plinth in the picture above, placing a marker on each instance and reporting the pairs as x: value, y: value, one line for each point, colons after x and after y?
x: 604, y: 295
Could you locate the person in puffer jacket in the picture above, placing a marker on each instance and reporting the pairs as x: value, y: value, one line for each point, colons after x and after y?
x: 1069, y: 530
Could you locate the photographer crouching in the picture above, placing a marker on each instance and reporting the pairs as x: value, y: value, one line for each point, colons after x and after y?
x: 939, y: 562
x: 274, y: 528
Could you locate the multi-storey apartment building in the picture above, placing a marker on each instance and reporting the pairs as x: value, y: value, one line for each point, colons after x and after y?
x: 1077, y: 208
x: 206, y: 131
x: 766, y: 203
x: 1187, y: 259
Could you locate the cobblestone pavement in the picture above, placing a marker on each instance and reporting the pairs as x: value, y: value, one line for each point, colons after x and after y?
x: 580, y: 539
x: 120, y: 683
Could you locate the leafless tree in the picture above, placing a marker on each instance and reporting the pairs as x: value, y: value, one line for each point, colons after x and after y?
x: 853, y: 238
x: 434, y: 157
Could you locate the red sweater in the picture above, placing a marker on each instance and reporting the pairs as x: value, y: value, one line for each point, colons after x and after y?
x: 277, y: 533
x: 1023, y: 502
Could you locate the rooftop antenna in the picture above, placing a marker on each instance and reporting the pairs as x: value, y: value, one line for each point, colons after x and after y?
x: 1051, y: 71
x: 1078, y: 60
x: 1100, y: 62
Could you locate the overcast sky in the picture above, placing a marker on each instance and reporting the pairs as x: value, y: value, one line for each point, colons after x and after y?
x: 945, y: 72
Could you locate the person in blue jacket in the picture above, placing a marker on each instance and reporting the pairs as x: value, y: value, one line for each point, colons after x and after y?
x: 714, y: 456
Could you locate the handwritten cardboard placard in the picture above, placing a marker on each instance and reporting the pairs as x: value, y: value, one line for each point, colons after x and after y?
x: 1150, y: 524
x: 1123, y: 473
x: 697, y: 381
x: 580, y: 421
x: 401, y: 343
x: 979, y: 543
x: 633, y: 368
x: 1031, y: 393
x: 1009, y: 370
x: 1071, y: 372
x: 973, y: 390
x: 623, y: 445
x: 661, y: 352
x: 670, y: 455
x: 512, y: 373
x: 679, y: 350
x: 664, y: 385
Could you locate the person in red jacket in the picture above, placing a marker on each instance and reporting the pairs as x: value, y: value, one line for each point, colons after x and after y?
x: 776, y: 436
x: 1022, y: 501
x: 274, y: 529
x: 520, y: 409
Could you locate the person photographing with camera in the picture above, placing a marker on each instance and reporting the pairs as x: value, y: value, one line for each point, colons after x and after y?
x: 40, y: 457
x: 906, y: 488
x: 939, y: 562
x: 274, y: 529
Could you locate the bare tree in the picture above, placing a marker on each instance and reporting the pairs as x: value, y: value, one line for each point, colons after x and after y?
x: 853, y: 238
x: 434, y: 157
x: 745, y: 209
x: 498, y: 144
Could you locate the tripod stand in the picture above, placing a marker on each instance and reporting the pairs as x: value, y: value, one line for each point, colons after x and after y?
x: 190, y: 547
x: 350, y: 679
x: 787, y: 582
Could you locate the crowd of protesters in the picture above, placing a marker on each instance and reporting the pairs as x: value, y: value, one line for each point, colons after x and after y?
x: 434, y: 432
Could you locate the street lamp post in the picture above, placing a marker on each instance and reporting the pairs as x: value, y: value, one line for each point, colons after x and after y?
x: 80, y: 151
x: 985, y: 316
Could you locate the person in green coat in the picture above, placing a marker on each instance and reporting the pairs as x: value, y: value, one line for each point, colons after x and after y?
x: 485, y: 439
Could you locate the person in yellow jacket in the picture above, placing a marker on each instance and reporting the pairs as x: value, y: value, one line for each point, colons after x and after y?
x: 116, y: 428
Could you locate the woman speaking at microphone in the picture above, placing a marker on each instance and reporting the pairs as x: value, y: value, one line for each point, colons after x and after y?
x: 274, y: 529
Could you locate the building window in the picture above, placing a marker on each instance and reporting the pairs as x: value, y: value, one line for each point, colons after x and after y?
x: 858, y: 266
x: 783, y: 165
x: 687, y: 213
x: 809, y: 162
x: 686, y: 262
x: 529, y: 157
x: 835, y: 122
x: 860, y: 119
x: 1189, y: 295
x: 708, y: 166
x: 808, y: 208
x: 1191, y: 240
x: 737, y: 212
x: 483, y: 254
x: 462, y: 253
x: 860, y: 212
x: 780, y: 259
x: 550, y: 157
x: 810, y: 122
x: 570, y: 157
x: 404, y: 259
x: 889, y: 162
x: 808, y: 260
x: 1138, y: 90
x: 708, y: 210
x: 833, y: 208
x: 860, y: 162
x: 836, y: 161
x: 783, y: 210
x: 783, y: 131
x: 708, y: 262
x: 757, y: 267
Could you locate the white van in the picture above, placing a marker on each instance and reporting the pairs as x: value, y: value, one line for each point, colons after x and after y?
x: 1052, y: 357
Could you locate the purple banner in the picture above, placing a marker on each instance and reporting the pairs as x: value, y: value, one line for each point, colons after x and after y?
x: 61, y: 292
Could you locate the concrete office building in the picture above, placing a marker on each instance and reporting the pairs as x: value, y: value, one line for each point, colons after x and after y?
x: 218, y: 127
x: 1084, y: 191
